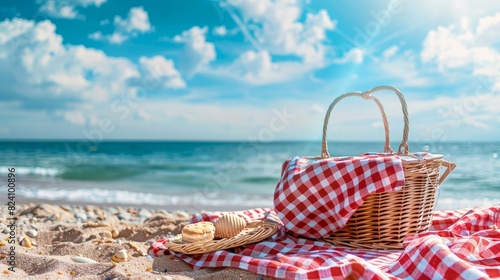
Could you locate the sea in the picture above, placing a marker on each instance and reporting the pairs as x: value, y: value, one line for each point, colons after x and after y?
x: 199, y: 176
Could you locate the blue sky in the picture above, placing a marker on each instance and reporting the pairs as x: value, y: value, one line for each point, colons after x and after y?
x: 247, y: 69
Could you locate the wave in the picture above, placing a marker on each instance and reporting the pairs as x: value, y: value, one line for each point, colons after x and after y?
x: 98, y: 173
x: 191, y: 200
x: 108, y: 172
x: 39, y: 171
x: 260, y: 180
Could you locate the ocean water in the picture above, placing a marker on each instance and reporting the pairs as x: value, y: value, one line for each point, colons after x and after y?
x: 209, y: 175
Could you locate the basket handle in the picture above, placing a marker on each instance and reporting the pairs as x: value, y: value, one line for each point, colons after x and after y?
x: 450, y: 166
x: 403, y: 148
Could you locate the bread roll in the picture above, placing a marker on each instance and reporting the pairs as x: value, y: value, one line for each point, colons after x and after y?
x: 229, y: 226
x: 201, y: 231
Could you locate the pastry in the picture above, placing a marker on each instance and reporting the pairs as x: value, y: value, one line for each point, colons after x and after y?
x: 202, y: 231
x: 229, y: 226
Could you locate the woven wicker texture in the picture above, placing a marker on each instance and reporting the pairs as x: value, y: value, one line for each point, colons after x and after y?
x: 385, y: 219
x: 253, y: 232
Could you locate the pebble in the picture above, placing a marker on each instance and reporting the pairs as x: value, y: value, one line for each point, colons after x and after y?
x: 32, y: 233
x: 100, y: 213
x: 182, y: 215
x: 144, y: 213
x: 81, y: 216
x: 124, y: 216
x: 169, y: 216
x: 5, y: 229
x: 90, y: 215
x: 114, y: 233
x: 80, y: 259
x: 65, y: 207
x: 54, y: 217
x: 113, y: 210
x: 95, y: 224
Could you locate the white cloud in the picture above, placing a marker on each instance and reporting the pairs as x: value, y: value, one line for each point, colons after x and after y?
x: 390, y: 52
x: 162, y: 71
x: 74, y: 117
x: 257, y: 68
x: 275, y: 26
x: 355, y: 55
x: 220, y: 31
x: 463, y: 48
x: 279, y: 28
x: 40, y: 72
x: 37, y: 65
x: 66, y: 8
x: 96, y: 36
x: 136, y: 22
x: 402, y: 66
x: 198, y: 53
x: 143, y: 115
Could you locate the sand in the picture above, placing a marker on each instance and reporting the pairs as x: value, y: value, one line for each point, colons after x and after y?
x: 97, y: 233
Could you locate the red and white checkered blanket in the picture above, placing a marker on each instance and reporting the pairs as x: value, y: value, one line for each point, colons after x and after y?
x: 460, y: 245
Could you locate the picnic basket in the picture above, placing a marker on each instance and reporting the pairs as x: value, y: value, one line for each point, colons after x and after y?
x: 385, y: 219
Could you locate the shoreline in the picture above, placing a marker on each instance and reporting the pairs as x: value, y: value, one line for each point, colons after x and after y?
x: 22, y: 200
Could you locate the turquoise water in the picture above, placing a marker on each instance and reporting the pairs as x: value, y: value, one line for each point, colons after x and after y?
x: 206, y: 175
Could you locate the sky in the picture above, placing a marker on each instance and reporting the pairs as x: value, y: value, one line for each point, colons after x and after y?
x: 247, y: 69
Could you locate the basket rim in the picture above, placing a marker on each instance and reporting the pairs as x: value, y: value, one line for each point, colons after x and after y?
x: 255, y: 232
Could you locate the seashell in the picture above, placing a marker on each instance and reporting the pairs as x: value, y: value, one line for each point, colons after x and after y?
x: 229, y: 226
x: 25, y: 241
x: 80, y: 259
x: 120, y: 256
x: 32, y: 233
x: 114, y: 233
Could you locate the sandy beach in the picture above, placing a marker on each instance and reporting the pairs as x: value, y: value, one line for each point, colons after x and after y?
x: 78, y: 242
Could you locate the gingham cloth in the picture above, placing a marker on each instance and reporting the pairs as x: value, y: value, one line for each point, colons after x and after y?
x: 316, y: 197
x: 458, y: 246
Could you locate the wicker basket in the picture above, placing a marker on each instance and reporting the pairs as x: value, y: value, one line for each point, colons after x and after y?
x: 385, y: 219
